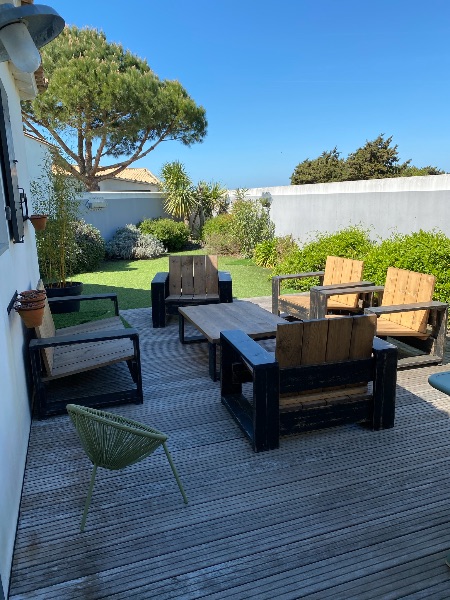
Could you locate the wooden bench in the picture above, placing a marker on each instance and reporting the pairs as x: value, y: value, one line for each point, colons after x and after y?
x: 316, y: 378
x: 71, y: 351
x: 338, y: 271
x: 190, y: 281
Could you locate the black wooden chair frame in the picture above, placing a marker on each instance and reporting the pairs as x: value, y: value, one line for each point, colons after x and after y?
x: 160, y: 291
x: 134, y: 394
x: 243, y: 360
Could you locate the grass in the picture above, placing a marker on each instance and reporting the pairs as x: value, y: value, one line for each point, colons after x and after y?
x: 131, y: 280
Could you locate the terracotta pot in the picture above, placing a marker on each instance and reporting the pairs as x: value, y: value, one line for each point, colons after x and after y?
x: 32, y: 296
x: 32, y: 313
x: 39, y: 222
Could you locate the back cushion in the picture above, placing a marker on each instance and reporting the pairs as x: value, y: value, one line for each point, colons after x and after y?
x: 46, y: 330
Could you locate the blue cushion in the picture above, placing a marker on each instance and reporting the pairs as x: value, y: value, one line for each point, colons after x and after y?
x: 440, y: 381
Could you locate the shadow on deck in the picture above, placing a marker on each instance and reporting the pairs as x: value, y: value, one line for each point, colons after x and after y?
x: 342, y: 513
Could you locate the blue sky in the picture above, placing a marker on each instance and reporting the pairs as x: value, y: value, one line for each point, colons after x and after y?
x: 283, y: 81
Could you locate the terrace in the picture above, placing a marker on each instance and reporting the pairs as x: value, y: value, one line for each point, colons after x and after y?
x: 338, y: 513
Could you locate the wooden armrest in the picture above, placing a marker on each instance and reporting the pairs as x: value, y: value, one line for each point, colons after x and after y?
x: 224, y: 276
x: 253, y: 354
x: 160, y: 277
x: 380, y: 310
x: 101, y: 336
x: 379, y: 345
x: 111, y: 296
x: 340, y: 289
x: 299, y: 275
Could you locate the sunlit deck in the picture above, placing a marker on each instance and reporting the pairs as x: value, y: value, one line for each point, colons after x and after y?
x: 342, y: 513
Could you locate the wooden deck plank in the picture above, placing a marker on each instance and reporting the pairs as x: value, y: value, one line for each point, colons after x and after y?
x: 340, y: 513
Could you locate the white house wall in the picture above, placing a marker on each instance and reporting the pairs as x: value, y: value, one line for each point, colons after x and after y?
x: 406, y: 204
x: 18, y: 271
x: 122, y: 208
x: 120, y: 185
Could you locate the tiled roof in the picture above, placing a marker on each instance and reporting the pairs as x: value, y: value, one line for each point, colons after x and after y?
x: 140, y: 175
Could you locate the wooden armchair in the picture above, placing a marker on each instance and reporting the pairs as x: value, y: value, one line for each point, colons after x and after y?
x: 317, y: 378
x: 191, y: 280
x: 85, y: 363
x: 408, y: 312
x: 338, y: 271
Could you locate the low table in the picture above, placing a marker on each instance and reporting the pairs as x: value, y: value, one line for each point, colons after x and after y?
x: 211, y: 319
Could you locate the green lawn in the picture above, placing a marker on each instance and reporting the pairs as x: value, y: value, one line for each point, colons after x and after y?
x: 130, y: 280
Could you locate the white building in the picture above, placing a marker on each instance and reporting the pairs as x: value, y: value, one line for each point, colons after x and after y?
x: 18, y: 271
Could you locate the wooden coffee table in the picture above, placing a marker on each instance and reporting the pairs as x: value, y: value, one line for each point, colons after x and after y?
x: 211, y: 319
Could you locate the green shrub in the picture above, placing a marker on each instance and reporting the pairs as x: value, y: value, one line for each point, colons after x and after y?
x: 216, y: 225
x: 351, y: 242
x: 129, y: 242
x: 421, y: 251
x: 173, y: 234
x: 270, y: 252
x: 218, y: 237
x: 250, y: 225
x: 90, y: 247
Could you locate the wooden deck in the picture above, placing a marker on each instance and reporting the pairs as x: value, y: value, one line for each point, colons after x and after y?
x: 344, y: 513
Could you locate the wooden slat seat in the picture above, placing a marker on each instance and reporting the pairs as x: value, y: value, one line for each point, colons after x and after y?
x: 317, y: 378
x: 71, y: 351
x: 190, y: 281
x: 338, y: 270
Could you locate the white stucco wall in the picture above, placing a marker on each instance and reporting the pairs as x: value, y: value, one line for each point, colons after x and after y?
x: 119, y: 185
x: 18, y: 271
x: 121, y: 209
x: 405, y: 203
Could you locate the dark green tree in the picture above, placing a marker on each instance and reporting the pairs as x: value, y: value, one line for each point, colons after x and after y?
x: 103, y: 102
x: 377, y: 159
x: 326, y: 168
x: 412, y: 171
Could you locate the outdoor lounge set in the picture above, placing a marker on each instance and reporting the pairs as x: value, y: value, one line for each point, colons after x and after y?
x: 327, y: 363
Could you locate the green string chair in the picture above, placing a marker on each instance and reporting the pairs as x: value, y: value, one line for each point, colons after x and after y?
x: 114, y: 442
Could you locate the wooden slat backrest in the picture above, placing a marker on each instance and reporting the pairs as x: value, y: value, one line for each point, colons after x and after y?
x: 212, y: 274
x: 175, y: 275
x: 187, y: 275
x: 193, y: 275
x: 46, y: 330
x: 408, y: 287
x: 324, y: 340
x: 343, y: 270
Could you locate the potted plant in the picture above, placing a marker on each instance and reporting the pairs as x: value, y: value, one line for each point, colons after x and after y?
x: 30, y: 306
x: 56, y: 194
x: 39, y: 222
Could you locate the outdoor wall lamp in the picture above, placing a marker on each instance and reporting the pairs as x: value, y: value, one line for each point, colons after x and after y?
x: 24, y: 29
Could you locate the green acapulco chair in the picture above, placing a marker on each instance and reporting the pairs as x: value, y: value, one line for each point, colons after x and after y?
x: 114, y: 442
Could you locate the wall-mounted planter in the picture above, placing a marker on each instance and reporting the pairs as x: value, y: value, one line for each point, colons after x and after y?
x: 32, y: 313
x: 39, y: 222
x: 29, y: 296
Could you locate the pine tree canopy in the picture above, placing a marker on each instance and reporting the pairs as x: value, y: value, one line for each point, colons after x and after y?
x: 102, y: 102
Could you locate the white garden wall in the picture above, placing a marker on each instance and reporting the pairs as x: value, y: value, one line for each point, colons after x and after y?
x: 405, y: 203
